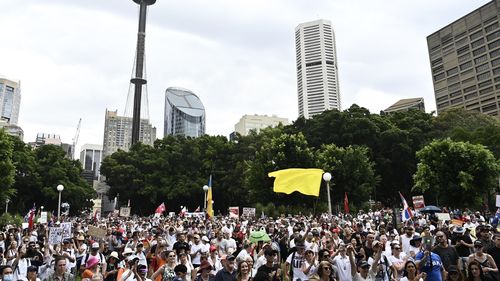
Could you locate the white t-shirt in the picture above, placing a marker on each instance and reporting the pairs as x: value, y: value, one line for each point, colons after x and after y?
x: 369, y: 277
x: 194, y: 249
x: 296, y: 265
x: 343, y: 268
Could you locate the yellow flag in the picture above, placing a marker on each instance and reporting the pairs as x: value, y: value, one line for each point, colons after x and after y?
x: 210, y: 210
x: 305, y: 181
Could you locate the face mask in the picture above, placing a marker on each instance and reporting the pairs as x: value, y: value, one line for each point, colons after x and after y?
x: 8, y: 277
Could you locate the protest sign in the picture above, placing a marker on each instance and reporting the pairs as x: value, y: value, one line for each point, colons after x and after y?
x: 66, y: 226
x: 248, y: 212
x: 96, y: 232
x: 55, y: 235
x: 234, y: 212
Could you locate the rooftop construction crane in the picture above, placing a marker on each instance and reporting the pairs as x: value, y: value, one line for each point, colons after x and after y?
x: 75, y: 138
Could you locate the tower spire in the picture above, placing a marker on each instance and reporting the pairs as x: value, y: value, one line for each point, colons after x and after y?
x: 139, y: 79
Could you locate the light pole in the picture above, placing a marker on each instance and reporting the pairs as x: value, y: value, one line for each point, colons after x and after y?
x: 327, y: 177
x: 205, y: 189
x: 7, y: 205
x: 60, y: 188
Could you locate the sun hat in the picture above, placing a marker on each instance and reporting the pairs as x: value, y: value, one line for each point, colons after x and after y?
x: 91, y: 262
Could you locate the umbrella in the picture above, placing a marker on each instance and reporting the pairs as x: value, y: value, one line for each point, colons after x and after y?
x: 430, y: 209
x: 257, y: 236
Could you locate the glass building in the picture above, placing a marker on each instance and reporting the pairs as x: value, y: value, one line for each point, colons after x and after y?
x: 184, y: 113
x: 10, y: 100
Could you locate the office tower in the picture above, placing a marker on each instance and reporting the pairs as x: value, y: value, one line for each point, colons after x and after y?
x: 184, y: 113
x: 257, y: 122
x: 90, y: 157
x: 118, y: 133
x: 465, y: 62
x: 317, y: 71
x: 53, y: 139
x: 10, y: 100
x: 407, y: 104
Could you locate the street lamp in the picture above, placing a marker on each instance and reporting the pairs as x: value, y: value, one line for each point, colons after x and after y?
x: 327, y: 177
x: 205, y: 188
x: 7, y: 205
x: 60, y: 188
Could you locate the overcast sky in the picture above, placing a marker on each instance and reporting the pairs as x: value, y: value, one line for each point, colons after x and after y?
x: 74, y: 57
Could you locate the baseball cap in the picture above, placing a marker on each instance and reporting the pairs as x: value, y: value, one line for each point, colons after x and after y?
x: 95, y: 245
x: 364, y: 264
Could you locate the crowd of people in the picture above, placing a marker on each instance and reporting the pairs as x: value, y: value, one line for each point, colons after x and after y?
x: 367, y: 246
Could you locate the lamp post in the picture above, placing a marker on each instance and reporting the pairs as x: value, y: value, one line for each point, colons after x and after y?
x: 327, y: 177
x: 60, y: 188
x: 205, y: 189
x: 7, y: 205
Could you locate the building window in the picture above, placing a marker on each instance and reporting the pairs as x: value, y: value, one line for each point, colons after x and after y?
x: 476, y: 35
x: 464, y: 57
x: 483, y: 76
x: 439, y: 76
x: 494, y: 44
x: 482, y: 67
x: 477, y: 43
x: 465, y: 65
x: 436, y: 62
x: 495, y: 53
x: 485, y: 83
x: 493, y: 35
x: 481, y: 59
x: 452, y: 71
x: 479, y: 51
x: 485, y: 91
x: 463, y: 50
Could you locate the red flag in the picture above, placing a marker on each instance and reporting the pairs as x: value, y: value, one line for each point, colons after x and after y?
x: 346, y: 203
x: 31, y: 215
x: 160, y: 209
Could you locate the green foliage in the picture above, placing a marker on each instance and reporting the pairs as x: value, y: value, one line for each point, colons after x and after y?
x: 460, y: 173
x: 7, y: 169
x: 352, y: 172
x: 8, y: 219
x: 369, y: 155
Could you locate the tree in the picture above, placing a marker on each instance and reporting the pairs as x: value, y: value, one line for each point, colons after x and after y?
x: 281, y: 152
x: 7, y: 169
x: 55, y: 168
x: 352, y: 171
x: 460, y: 174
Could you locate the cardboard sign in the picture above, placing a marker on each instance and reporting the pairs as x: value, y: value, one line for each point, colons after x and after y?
x: 55, y: 235
x: 200, y: 215
x: 418, y: 202
x: 443, y: 216
x: 125, y: 212
x: 248, y: 212
x: 234, y: 212
x: 25, y: 225
x: 43, y: 217
x: 96, y: 232
x: 66, y: 226
x: 498, y: 201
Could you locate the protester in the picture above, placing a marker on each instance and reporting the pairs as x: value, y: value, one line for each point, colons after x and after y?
x: 410, y: 273
x: 60, y: 271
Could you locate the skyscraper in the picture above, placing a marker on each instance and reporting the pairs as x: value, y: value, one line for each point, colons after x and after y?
x: 90, y: 157
x: 184, y: 113
x: 10, y: 100
x: 465, y: 61
x: 317, y: 71
x: 118, y: 133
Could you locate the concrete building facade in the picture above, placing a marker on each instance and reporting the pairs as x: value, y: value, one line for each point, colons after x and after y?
x: 317, y: 70
x: 118, y: 133
x: 91, y: 157
x: 465, y: 62
x: 257, y: 122
x: 184, y: 113
x: 407, y: 104
x: 10, y: 100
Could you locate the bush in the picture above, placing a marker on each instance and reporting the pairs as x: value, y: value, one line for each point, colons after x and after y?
x: 7, y: 218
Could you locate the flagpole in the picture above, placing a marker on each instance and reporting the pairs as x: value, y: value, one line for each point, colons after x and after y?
x: 327, y: 177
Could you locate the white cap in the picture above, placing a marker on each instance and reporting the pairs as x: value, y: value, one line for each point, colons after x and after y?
x: 95, y: 245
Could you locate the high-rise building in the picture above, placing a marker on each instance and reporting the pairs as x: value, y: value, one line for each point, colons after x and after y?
x: 407, y: 104
x: 118, y: 133
x: 10, y: 100
x: 184, y: 113
x: 317, y: 71
x: 257, y: 122
x: 465, y: 61
x: 90, y: 157
x: 11, y: 129
x: 45, y: 139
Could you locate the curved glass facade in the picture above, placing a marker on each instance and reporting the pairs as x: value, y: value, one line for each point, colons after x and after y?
x: 184, y: 113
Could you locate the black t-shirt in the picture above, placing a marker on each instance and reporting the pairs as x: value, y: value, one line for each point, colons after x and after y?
x: 269, y: 270
x: 462, y: 250
x: 495, y: 253
x: 448, y: 255
x: 181, y: 245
